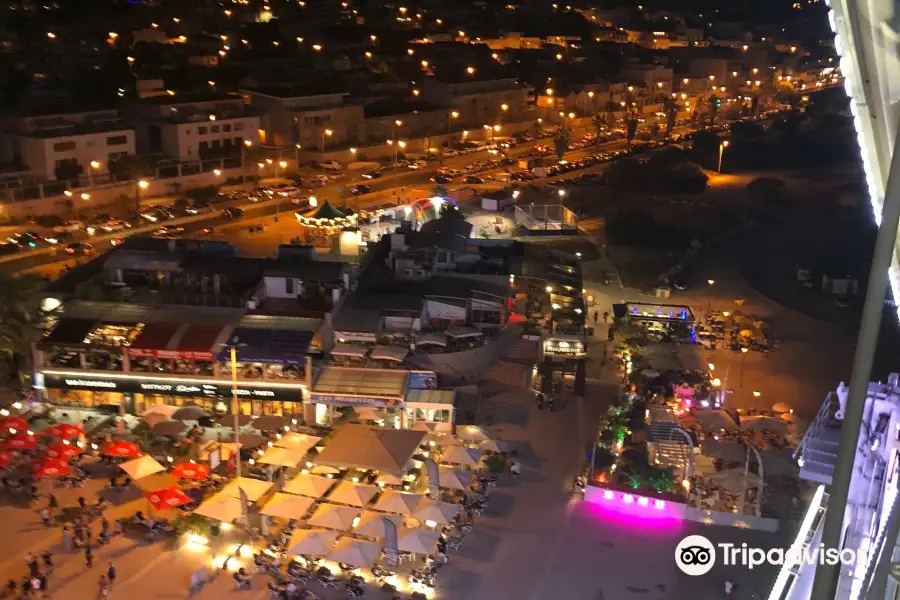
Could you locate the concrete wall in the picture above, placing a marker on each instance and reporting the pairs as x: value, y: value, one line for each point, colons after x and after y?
x: 457, y: 367
x: 41, y: 153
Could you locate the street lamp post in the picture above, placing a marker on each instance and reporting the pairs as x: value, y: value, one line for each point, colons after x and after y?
x: 397, y: 123
x: 244, y: 148
x: 95, y: 165
x: 282, y: 164
x: 711, y: 283
x: 744, y: 352
x: 235, y: 405
x: 325, y: 133
x: 759, y: 472
x: 143, y: 184
x: 450, y: 116
x: 722, y: 146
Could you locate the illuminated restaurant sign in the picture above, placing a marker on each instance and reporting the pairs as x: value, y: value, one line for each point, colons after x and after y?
x: 162, y: 387
x: 331, y: 400
x: 169, y: 354
x: 564, y: 348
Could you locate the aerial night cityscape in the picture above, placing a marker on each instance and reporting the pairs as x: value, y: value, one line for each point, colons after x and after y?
x: 432, y: 299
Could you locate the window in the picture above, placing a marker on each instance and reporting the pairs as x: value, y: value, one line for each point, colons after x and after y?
x: 63, y: 146
x: 114, y: 156
x: 239, y: 126
x: 204, y: 146
x: 226, y: 128
x: 288, y: 285
x: 116, y: 140
x: 214, y: 129
x: 201, y: 131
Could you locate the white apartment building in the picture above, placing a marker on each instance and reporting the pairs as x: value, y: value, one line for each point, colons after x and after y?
x: 194, y: 127
x: 42, y: 143
x: 479, y: 101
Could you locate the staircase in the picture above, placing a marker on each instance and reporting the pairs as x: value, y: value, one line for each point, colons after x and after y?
x: 819, y: 446
x: 516, y: 359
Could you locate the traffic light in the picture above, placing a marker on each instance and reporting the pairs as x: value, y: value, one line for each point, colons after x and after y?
x: 718, y: 102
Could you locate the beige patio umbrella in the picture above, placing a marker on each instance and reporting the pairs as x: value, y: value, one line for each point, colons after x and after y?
x: 254, y: 489
x: 366, y: 414
x: 296, y: 441
x: 309, y: 485
x: 141, y: 467
x: 494, y: 446
x: 732, y: 480
x: 154, y: 418
x: 399, y: 503
x: 715, y: 419
x: 356, y: 553
x: 312, y: 542
x: 434, y: 511
x: 332, y: 516
x: 287, y: 506
x: 782, y: 407
x: 418, y: 541
x: 455, y: 479
x: 282, y: 457
x: 425, y: 426
x: 447, y: 440
x: 354, y: 494
x: 372, y: 524
x: 220, y: 508
x: 472, y: 433
x: 389, y: 479
x: 457, y: 455
x: 324, y: 470
x: 764, y: 424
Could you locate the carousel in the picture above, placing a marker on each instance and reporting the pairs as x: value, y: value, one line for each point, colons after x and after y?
x: 327, y: 221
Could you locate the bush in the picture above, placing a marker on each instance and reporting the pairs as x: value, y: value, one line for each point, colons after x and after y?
x: 495, y: 463
x: 48, y: 220
x: 666, y: 171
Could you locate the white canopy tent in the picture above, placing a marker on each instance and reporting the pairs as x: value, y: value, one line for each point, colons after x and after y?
x: 494, y: 446
x: 309, y: 485
x: 254, y: 489
x: 472, y: 433
x: 353, y: 494
x: 460, y: 333
x: 354, y: 552
x: 434, y: 338
x: 400, y: 503
x: 388, y: 479
x: 220, y: 508
x: 418, y: 541
x: 161, y: 409
x: 351, y: 350
x: 287, y: 506
x: 141, y: 467
x: 332, y: 516
x: 372, y: 524
x: 312, y: 542
x: 392, y: 353
x: 434, y: 511
x: 455, y: 479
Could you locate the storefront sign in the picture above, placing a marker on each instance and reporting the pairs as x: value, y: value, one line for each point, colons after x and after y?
x: 330, y: 400
x: 169, y: 354
x: 171, y: 388
x: 422, y: 380
x: 564, y: 348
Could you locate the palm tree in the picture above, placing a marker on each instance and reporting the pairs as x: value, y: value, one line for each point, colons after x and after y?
x: 440, y: 191
x: 17, y: 323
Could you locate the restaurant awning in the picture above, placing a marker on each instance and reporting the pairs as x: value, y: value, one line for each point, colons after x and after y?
x: 432, y: 397
x: 69, y: 332
x: 376, y: 448
x: 435, y: 338
x: 394, y: 353
x: 197, y: 341
x: 153, y: 341
x: 463, y: 332
x: 352, y: 350
x: 281, y: 346
x: 342, y: 386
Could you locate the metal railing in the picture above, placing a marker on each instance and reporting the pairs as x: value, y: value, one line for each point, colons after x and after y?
x: 819, y: 422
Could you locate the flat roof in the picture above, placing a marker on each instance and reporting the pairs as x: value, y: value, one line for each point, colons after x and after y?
x: 324, y: 88
x: 362, y: 311
x: 368, y: 383
x: 445, y: 397
x: 271, y: 345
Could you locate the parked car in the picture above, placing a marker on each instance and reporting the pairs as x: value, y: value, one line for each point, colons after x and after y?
x: 114, y: 225
x: 68, y: 226
x: 58, y: 238
x: 372, y: 174
x: 318, y: 181
x: 79, y: 248
x: 233, y: 213
x: 358, y: 190
x: 199, y: 208
x: 474, y: 179
x: 444, y: 179
x: 332, y: 165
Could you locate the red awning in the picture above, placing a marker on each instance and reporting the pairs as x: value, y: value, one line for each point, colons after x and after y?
x: 197, y: 342
x: 153, y: 341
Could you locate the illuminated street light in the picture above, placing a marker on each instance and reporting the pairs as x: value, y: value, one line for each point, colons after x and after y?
x: 326, y: 133
x: 722, y: 147
x: 143, y: 184
x: 470, y: 70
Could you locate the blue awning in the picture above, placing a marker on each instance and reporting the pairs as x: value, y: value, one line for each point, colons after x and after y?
x: 279, y: 346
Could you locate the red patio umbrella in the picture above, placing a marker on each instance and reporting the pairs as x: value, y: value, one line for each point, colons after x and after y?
x: 18, y: 423
x: 169, y: 497
x: 62, y: 451
x: 63, y: 431
x: 190, y: 471
x: 122, y: 448
x: 6, y: 458
x: 52, y: 467
x: 20, y: 441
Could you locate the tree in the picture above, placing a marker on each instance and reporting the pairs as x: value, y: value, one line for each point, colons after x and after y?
x: 439, y: 191
x: 67, y: 170
x: 561, y: 142
x: 450, y: 211
x: 132, y: 166
x: 17, y: 322
x: 631, y: 124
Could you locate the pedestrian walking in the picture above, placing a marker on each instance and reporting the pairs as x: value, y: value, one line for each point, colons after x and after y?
x: 67, y: 537
x: 89, y: 557
x: 43, y: 586
x: 52, y: 502
x: 111, y: 574
x: 596, y: 317
x: 48, y: 561
x: 103, y: 590
x: 33, y: 567
x: 45, y: 516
